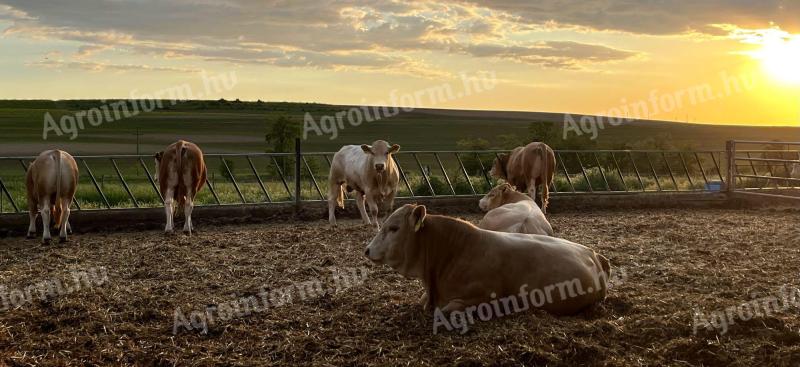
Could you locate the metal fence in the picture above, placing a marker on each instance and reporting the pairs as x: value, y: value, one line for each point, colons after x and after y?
x: 127, y: 181
x: 765, y: 172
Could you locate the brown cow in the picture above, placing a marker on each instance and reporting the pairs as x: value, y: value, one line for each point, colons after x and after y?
x: 51, y: 182
x: 371, y: 172
x: 528, y: 167
x: 461, y: 265
x: 181, y: 174
x: 512, y: 211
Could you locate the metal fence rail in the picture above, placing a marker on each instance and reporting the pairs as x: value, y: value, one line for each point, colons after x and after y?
x: 128, y: 181
x: 765, y: 172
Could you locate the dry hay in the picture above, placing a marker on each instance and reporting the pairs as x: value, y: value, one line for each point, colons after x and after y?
x: 675, y: 261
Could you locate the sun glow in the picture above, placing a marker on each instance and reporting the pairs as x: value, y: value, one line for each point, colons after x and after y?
x: 780, y: 58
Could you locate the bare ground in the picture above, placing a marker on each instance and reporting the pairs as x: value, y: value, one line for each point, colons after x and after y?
x: 674, y: 261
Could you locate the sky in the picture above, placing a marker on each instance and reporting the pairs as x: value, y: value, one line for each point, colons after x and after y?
x: 715, y: 61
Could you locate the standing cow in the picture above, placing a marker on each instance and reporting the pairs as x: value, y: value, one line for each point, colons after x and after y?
x: 371, y: 172
x: 51, y: 182
x: 528, y: 167
x: 181, y: 174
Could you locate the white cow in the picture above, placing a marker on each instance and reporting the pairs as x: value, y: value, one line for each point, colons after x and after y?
x: 51, y: 182
x: 512, y: 211
x: 370, y: 171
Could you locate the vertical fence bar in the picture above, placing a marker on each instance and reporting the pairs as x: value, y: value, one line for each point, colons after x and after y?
x: 669, y: 169
x: 446, y: 178
x: 602, y: 174
x: 621, y: 177
x: 636, y: 169
x: 258, y: 179
x: 566, y: 173
x: 233, y: 179
x: 653, y: 168
x: 96, y: 186
x: 702, y: 170
x: 10, y: 199
x: 424, y: 175
x: 298, y: 155
x: 583, y: 170
x: 686, y: 169
x: 403, y: 175
x: 152, y: 182
x: 730, y: 151
x: 466, y: 175
x: 755, y: 172
x: 124, y: 184
x: 483, y: 169
x: 716, y: 165
x: 283, y: 178
x: 313, y: 179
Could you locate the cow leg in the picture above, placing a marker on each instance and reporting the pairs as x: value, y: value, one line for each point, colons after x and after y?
x: 532, y: 191
x: 454, y: 305
x: 373, y: 211
x: 169, y: 202
x: 69, y: 228
x: 64, y: 225
x: 187, y: 211
x: 334, y: 195
x: 360, y: 199
x: 32, y: 214
x: 46, y: 221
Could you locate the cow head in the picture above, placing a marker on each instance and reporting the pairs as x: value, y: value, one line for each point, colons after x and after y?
x: 380, y: 153
x: 390, y: 246
x: 496, y: 197
x: 500, y: 166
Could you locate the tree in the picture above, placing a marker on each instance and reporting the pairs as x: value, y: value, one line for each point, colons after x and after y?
x: 280, y: 137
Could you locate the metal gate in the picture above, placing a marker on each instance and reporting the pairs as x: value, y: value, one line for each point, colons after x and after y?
x: 764, y: 169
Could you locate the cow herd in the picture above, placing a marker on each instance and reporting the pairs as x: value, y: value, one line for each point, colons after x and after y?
x: 460, y: 264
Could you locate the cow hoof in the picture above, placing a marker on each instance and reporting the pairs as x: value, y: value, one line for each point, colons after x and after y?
x: 45, y: 242
x: 168, y: 232
x: 62, y: 239
x: 30, y: 235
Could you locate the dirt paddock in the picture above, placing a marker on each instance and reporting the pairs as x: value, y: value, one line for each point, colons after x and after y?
x: 674, y: 262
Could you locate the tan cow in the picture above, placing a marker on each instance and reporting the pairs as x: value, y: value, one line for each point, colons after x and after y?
x: 527, y: 168
x: 509, y: 210
x: 461, y: 265
x: 181, y: 174
x: 370, y: 171
x: 51, y: 182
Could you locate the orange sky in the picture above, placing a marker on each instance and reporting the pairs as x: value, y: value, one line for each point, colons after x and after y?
x: 661, y: 61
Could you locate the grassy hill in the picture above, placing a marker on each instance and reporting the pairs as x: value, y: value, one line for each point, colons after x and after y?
x: 233, y: 126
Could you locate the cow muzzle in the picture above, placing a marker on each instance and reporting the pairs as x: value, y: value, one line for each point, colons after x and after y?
x: 380, y: 167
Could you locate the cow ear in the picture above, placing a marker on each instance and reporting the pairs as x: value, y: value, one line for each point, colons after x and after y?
x: 395, y: 148
x: 366, y: 148
x: 158, y: 155
x: 418, y: 215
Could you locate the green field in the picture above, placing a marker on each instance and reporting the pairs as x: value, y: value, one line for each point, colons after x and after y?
x: 239, y: 127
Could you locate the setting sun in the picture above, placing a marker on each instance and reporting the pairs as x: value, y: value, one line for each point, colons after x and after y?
x: 780, y: 58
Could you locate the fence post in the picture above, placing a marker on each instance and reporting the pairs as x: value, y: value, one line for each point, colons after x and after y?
x: 730, y: 153
x: 298, y: 156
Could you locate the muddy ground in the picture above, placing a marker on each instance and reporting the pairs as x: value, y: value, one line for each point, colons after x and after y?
x: 674, y: 262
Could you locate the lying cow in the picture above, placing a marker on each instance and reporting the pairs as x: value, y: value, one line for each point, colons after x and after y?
x: 511, y: 211
x: 181, y: 174
x: 461, y: 265
x: 527, y: 168
x: 371, y: 172
x: 51, y: 182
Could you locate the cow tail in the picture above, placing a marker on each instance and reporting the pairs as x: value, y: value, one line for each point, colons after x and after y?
x: 180, y: 192
x: 340, y: 197
x: 57, y: 202
x: 545, y: 176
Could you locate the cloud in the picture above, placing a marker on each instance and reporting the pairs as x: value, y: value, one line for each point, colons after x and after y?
x: 369, y: 35
x: 100, y: 66
x: 662, y: 17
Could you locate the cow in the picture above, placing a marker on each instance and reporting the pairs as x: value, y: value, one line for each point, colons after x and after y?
x: 181, y: 174
x: 370, y: 171
x: 461, y: 265
x: 509, y: 210
x: 50, y: 183
x: 527, y: 168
